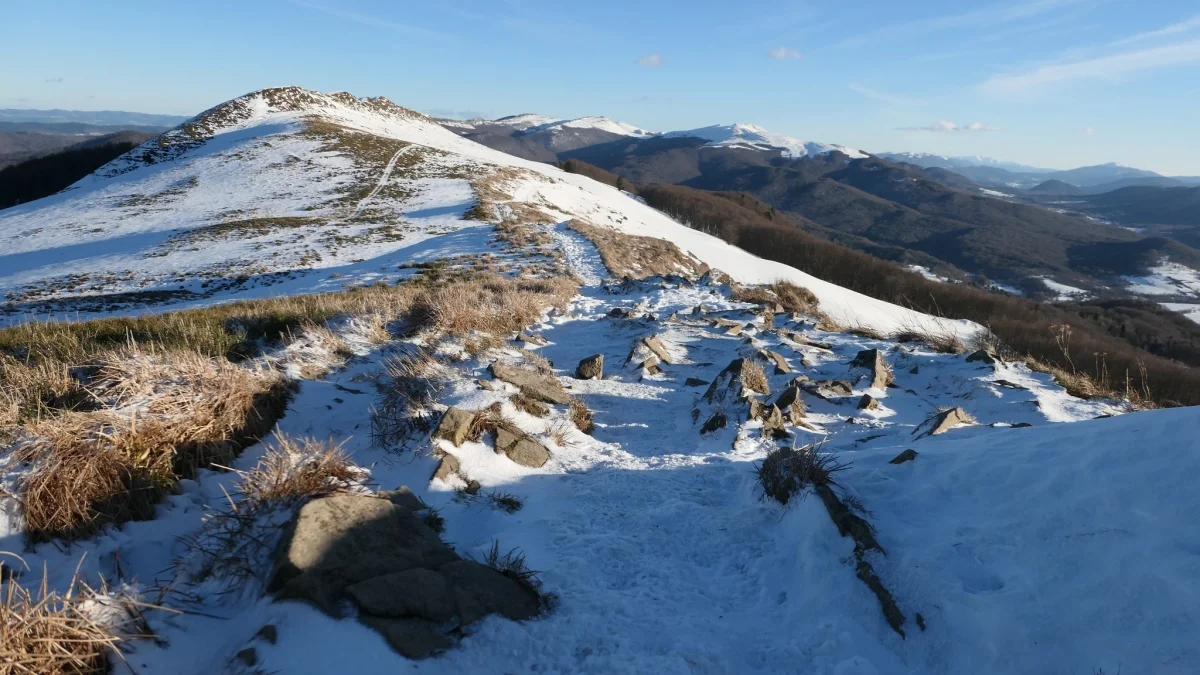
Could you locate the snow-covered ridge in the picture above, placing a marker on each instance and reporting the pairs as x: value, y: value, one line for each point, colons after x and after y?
x: 530, y: 122
x: 758, y: 138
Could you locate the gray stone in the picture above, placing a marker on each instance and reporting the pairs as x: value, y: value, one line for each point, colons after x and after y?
x: 791, y: 404
x: 591, y: 368
x: 530, y: 338
x: 402, y: 496
x: 695, y: 382
x: 413, y: 638
x: 775, y: 358
x: 447, y: 467
x: 521, y: 447
x: 981, y: 356
x: 535, y: 385
x: 248, y: 656
x: 480, y: 590
x: 416, y: 593
x: 485, y: 385
x: 657, y: 348
x: 906, y: 456
x: 268, y: 633
x: 867, y: 403
x: 455, y: 425
x: 340, y: 540
x: 943, y: 421
x: 650, y: 365
x: 872, y: 360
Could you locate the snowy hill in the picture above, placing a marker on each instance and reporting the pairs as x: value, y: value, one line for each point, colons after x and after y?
x: 984, y: 521
x: 756, y: 137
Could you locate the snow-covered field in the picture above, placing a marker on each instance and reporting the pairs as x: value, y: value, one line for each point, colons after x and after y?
x: 1167, y: 278
x: 1065, y: 292
x: 1056, y: 535
x: 756, y: 137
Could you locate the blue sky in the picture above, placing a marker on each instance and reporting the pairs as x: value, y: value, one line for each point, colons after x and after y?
x: 1055, y: 83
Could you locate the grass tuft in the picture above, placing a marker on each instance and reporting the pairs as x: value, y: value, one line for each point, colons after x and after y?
x: 786, y: 472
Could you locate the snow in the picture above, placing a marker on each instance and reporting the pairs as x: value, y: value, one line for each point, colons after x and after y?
x: 525, y: 121
x: 1065, y: 292
x: 1166, y: 278
x: 927, y: 273
x: 756, y: 137
x: 1053, y: 548
x: 598, y: 123
x: 995, y: 193
x: 1191, y: 311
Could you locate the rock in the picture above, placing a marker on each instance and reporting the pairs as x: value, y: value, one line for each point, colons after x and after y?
x: 772, y: 419
x: 414, y: 593
x: 717, y: 421
x: 480, y: 590
x: 656, y: 347
x: 268, y: 634
x: 982, y: 356
x: 780, y: 363
x: 1021, y: 425
x: 916, y: 369
x: 404, y: 497
x: 485, y: 385
x: 340, y: 540
x: 695, y: 382
x: 943, y: 421
x: 530, y: 338
x: 455, y: 425
x: 533, y: 384
x: 867, y: 403
x: 726, y: 323
x: 521, y: 447
x: 1008, y: 385
x: 591, y: 368
x: 734, y: 330
x: 248, y: 656
x: 698, y: 310
x: 791, y: 404
x: 768, y: 320
x: 412, y: 638
x: 906, y: 456
x: 650, y: 365
x: 446, y: 468
x: 872, y: 360
x: 828, y: 389
x: 618, y: 312
x: 729, y: 384
x: 473, y: 487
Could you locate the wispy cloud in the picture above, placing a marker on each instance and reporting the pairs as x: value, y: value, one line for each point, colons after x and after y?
x: 1173, y: 29
x: 1097, y: 68
x: 991, y: 15
x: 784, y: 53
x: 649, y: 61
x: 884, y: 97
x: 1089, y: 131
x: 54, y: 80
x: 950, y: 127
x: 373, y: 21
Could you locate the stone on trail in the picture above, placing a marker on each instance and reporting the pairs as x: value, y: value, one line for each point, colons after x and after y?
x: 591, y: 368
x: 455, y: 425
x: 872, y: 360
x: 535, y: 385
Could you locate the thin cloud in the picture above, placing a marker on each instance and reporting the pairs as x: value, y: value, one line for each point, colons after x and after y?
x: 1100, y: 68
x: 649, y: 61
x: 1089, y: 131
x: 784, y: 53
x: 373, y: 21
x: 452, y: 114
x: 1173, y: 29
x: 985, y: 16
x: 950, y: 127
x: 884, y: 97
x: 54, y: 80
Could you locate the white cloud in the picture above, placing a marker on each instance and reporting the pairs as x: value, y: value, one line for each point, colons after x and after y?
x: 649, y: 61
x: 1100, y: 68
x: 1089, y: 131
x: 985, y: 16
x: 784, y: 53
x: 1173, y: 29
x: 949, y: 127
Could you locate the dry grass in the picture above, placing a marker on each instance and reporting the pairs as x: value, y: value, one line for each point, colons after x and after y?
x: 753, y: 377
x: 636, y: 257
x: 513, y: 566
x: 293, y: 471
x: 103, y: 467
x: 43, y: 632
x: 794, y: 298
x: 786, y: 472
x: 489, y: 303
x: 581, y: 416
x: 560, y: 432
x: 409, y: 385
x: 529, y: 406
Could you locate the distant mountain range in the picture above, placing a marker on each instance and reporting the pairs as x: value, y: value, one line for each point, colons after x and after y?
x: 25, y: 134
x: 998, y: 175
x: 121, y: 118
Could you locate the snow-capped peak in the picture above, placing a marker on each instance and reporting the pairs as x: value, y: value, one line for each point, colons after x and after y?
x: 525, y: 121
x: 756, y: 137
x: 599, y: 124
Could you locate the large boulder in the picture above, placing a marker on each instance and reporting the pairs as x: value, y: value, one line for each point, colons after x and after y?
x: 591, y: 368
x: 521, y: 447
x: 533, y: 384
x: 872, y: 360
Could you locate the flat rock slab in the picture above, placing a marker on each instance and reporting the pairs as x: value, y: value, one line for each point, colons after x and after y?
x: 943, y: 421
x: 533, y: 384
x: 521, y: 447
x: 455, y: 425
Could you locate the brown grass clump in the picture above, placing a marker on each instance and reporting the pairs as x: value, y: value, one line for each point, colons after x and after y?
x: 786, y: 472
x: 293, y: 470
x: 529, y: 406
x: 794, y: 298
x: 43, y: 632
x: 102, y: 467
x: 753, y: 377
x: 39, y: 390
x: 488, y: 303
x: 409, y: 385
x: 637, y: 257
x: 581, y: 416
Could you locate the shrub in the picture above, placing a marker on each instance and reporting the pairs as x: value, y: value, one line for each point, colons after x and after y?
x: 754, y: 377
x: 786, y: 472
x: 293, y: 471
x: 581, y: 416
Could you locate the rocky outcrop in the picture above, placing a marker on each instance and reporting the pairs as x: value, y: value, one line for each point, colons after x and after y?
x: 906, y: 456
x: 533, y: 384
x: 520, y: 447
x: 791, y: 404
x: 455, y: 425
x: 405, y: 582
x: 776, y: 359
x: 872, y: 360
x: 591, y: 368
x: 943, y: 421
x: 828, y: 389
x: 982, y: 356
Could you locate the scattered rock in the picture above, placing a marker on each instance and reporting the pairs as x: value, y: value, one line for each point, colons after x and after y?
x: 867, y: 403
x: 416, y: 592
x: 530, y: 338
x: 480, y: 590
x: 768, y: 320
x: 943, y: 421
x: 402, y: 496
x: 485, y: 385
x: 248, y: 656
x: 906, y: 456
x: 650, y: 365
x: 982, y: 356
x: 455, y: 425
x: 591, y: 368
x: 1021, y: 425
x: 446, y: 468
x: 618, y: 312
x: 803, y: 340
x: 872, y: 360
x: 734, y: 330
x: 827, y: 389
x: 1009, y: 385
x: 695, y: 382
x: 791, y: 404
x: 730, y: 385
x: 268, y: 634
x: 726, y: 323
x: 533, y: 384
x: 717, y: 421
x: 780, y: 363
x: 655, y: 345
x: 916, y: 370
x: 473, y: 487
x: 521, y: 447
